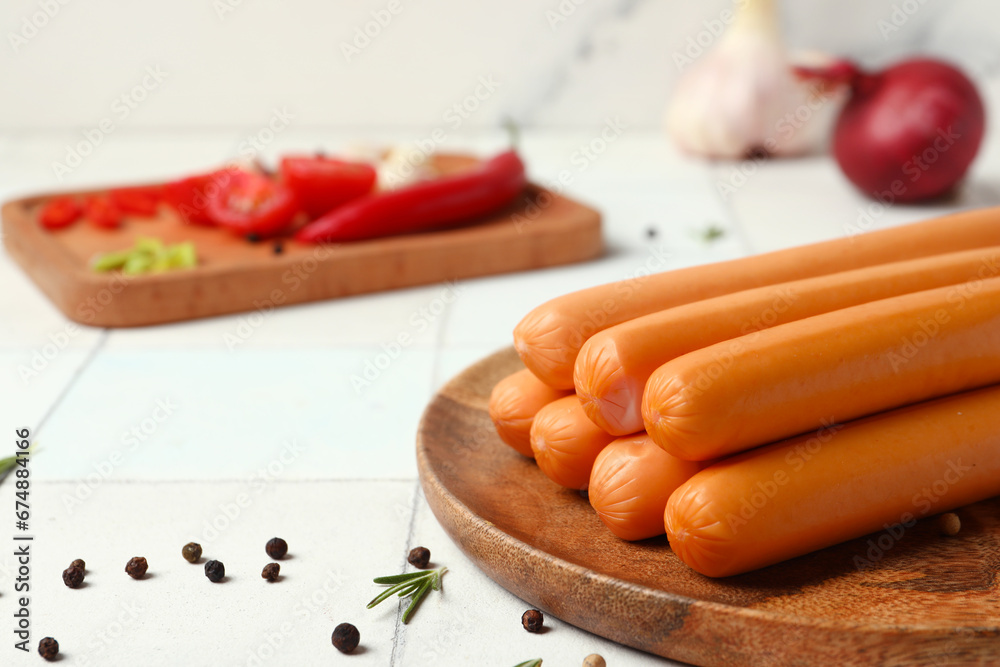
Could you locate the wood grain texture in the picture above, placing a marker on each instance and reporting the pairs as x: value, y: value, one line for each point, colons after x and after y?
x: 923, y: 600
x: 235, y: 276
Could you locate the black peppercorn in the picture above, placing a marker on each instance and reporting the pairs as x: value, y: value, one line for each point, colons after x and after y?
x: 79, y: 563
x: 253, y: 237
x: 346, y: 637
x: 271, y: 571
x: 276, y: 548
x: 532, y: 620
x: 73, y: 576
x: 279, y: 247
x: 136, y: 567
x: 215, y: 571
x: 48, y: 648
x: 651, y: 232
x: 420, y: 557
x: 191, y: 552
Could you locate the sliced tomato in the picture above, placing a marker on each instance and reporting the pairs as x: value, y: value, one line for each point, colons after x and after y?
x: 59, y: 212
x: 253, y: 204
x: 141, y: 201
x: 321, y: 184
x: 101, y: 212
x: 189, y: 196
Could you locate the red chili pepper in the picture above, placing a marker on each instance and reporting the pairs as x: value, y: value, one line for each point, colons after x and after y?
x: 189, y: 196
x: 321, y: 184
x: 253, y: 204
x: 141, y: 201
x: 431, y: 204
x: 100, y: 212
x: 59, y: 212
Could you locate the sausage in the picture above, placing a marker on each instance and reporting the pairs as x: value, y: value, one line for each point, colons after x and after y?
x: 630, y: 483
x: 833, y: 367
x: 550, y: 336
x: 613, y: 366
x: 566, y: 443
x: 513, y: 404
x: 880, y: 473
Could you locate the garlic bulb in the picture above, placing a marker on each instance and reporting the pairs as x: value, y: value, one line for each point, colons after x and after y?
x: 743, y: 97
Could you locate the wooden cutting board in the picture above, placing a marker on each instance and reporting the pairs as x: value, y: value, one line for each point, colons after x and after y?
x: 541, y: 229
x: 925, y: 600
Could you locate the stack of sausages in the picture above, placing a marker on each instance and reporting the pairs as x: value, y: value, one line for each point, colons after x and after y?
x: 762, y: 408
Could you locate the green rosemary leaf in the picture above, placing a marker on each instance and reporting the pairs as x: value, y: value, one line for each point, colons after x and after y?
x: 436, y: 580
x: 415, y: 601
x: 409, y: 589
x: 386, y: 594
x: 537, y: 662
x: 408, y: 576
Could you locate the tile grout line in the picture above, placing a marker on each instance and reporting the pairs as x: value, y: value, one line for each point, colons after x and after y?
x: 741, y: 233
x: 94, y: 351
x: 435, y: 372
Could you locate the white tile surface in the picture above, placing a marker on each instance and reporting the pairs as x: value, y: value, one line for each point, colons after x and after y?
x: 239, y: 417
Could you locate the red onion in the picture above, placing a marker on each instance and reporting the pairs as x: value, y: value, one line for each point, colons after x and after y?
x: 909, y: 132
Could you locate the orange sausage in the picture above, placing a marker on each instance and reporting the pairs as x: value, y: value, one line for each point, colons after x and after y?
x: 513, y: 404
x: 566, y: 443
x: 631, y: 482
x: 550, y: 336
x: 614, y: 364
x: 881, y: 473
x: 792, y: 378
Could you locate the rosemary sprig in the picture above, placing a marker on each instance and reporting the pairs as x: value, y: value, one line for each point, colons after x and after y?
x: 537, y: 662
x: 414, y: 585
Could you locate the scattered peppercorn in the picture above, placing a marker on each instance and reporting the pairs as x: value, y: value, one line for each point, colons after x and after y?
x: 420, y: 557
x: 48, y: 648
x: 73, y: 576
x: 271, y: 571
x: 950, y: 524
x: 594, y: 660
x: 79, y: 563
x: 215, y: 571
x: 191, y: 552
x: 136, y: 567
x: 253, y: 238
x: 532, y: 620
x: 279, y: 247
x: 651, y: 232
x: 276, y: 548
x: 346, y: 637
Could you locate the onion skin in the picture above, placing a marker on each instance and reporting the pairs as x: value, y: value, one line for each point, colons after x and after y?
x: 910, y: 132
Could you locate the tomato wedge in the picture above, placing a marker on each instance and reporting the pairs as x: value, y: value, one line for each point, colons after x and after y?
x: 101, y: 212
x: 59, y: 212
x: 321, y: 184
x: 140, y: 201
x: 189, y: 196
x: 253, y: 204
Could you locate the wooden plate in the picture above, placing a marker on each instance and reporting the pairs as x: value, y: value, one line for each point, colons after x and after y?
x: 914, y: 599
x: 541, y: 229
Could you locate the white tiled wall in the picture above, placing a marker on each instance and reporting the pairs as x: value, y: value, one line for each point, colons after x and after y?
x: 224, y: 63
